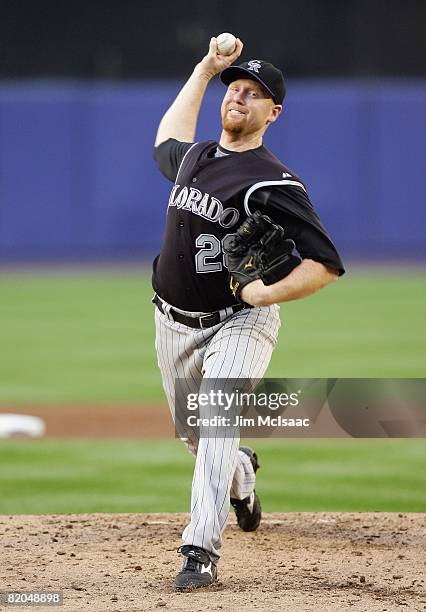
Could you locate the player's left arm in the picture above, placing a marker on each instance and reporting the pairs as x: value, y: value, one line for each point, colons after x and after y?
x: 307, y: 278
x: 321, y: 263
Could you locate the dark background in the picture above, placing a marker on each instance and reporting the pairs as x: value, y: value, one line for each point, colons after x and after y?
x: 84, y: 84
x: 133, y: 39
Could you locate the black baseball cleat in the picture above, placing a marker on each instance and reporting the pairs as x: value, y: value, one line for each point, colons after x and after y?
x: 248, y: 510
x: 198, y: 569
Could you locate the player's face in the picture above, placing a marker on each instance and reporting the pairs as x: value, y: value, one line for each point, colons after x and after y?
x: 248, y: 108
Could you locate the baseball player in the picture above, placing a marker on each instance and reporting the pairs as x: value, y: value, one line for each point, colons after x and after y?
x: 241, y: 237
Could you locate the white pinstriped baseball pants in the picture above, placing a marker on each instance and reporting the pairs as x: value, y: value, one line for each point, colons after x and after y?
x: 240, y: 347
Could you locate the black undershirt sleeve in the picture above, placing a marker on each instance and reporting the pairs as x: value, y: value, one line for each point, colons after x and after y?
x: 312, y: 240
x: 169, y: 155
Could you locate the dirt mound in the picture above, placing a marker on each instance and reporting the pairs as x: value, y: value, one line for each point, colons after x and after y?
x: 295, y: 561
x: 102, y: 421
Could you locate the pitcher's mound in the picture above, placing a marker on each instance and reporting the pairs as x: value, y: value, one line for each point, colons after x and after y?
x: 295, y: 561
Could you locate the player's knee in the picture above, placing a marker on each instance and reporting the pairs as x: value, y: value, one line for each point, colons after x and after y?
x: 191, y: 444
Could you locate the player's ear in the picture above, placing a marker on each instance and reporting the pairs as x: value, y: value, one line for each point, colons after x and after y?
x: 275, y: 112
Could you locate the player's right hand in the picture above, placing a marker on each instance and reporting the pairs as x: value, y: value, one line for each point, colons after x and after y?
x: 214, y: 62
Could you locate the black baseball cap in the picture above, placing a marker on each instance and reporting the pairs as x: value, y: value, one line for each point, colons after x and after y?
x: 263, y: 72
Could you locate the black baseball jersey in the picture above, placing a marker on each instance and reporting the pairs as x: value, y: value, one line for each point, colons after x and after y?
x: 214, y: 192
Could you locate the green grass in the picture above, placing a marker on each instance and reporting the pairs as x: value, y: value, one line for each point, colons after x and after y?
x: 89, y: 336
x: 155, y: 476
x: 78, y: 338
x: 370, y: 324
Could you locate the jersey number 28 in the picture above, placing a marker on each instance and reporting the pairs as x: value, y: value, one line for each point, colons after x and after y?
x: 210, y: 247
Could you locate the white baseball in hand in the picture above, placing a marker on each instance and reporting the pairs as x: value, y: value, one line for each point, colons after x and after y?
x: 226, y: 43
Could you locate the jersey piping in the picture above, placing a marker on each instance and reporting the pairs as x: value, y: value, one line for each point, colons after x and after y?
x: 183, y: 159
x: 256, y: 186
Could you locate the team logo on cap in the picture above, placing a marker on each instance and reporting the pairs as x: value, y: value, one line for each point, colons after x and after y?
x: 254, y: 65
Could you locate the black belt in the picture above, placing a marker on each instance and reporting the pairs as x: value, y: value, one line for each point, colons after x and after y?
x: 203, y: 322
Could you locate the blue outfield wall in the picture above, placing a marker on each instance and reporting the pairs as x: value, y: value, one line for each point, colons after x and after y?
x: 77, y: 178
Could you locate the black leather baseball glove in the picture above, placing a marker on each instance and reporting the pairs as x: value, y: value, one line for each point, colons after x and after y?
x: 258, y: 249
